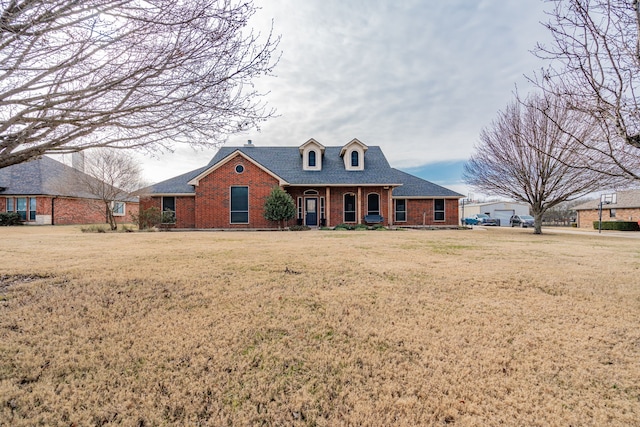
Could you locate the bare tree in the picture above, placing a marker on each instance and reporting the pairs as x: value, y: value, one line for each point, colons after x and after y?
x: 526, y: 156
x: 111, y: 176
x: 595, y: 67
x: 76, y: 74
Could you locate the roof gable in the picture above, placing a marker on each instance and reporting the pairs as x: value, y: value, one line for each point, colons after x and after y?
x: 212, y: 167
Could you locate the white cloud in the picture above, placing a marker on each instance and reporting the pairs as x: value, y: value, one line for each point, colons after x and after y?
x: 418, y: 78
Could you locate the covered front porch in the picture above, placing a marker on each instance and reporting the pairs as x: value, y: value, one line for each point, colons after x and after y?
x: 328, y: 206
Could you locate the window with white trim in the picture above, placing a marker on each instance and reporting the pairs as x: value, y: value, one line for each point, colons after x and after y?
x: 438, y: 210
x: 401, y: 210
x: 373, y: 204
x: 239, y: 205
x: 118, y: 209
x: 168, y: 210
x: 350, y: 207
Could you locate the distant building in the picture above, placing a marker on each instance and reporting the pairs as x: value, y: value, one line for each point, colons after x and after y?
x: 618, y: 206
x: 501, y: 211
x: 45, y: 191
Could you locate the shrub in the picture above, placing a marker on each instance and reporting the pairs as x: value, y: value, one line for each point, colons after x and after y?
x: 360, y: 227
x: 344, y: 227
x: 279, y: 206
x: 617, y: 225
x: 95, y: 228
x: 10, y: 218
x: 147, y: 218
x: 299, y: 228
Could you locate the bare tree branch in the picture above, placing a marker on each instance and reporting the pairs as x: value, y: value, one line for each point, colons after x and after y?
x: 595, y: 57
x: 76, y: 74
x: 532, y: 153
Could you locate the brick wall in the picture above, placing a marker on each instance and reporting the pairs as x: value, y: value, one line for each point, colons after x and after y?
x: 421, y: 212
x: 213, y: 194
x: 586, y: 218
x: 185, y: 209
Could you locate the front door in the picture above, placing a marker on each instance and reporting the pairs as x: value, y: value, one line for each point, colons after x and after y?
x: 311, y: 212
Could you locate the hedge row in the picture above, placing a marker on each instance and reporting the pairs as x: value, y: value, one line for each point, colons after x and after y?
x: 617, y: 225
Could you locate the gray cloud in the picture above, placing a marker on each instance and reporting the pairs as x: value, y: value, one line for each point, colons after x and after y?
x: 419, y: 78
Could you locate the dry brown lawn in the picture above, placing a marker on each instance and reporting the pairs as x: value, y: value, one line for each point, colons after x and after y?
x: 324, y: 328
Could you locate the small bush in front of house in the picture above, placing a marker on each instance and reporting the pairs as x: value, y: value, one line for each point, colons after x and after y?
x: 10, y: 218
x: 299, y: 228
x: 147, y: 218
x: 344, y: 227
x: 361, y: 227
x: 379, y: 227
x: 617, y: 225
x: 95, y: 228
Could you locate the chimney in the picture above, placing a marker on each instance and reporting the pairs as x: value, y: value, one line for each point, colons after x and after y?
x: 249, y: 143
x: 77, y: 160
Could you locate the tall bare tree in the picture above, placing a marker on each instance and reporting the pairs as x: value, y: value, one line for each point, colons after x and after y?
x: 595, y: 66
x: 531, y: 153
x: 111, y: 176
x: 76, y: 74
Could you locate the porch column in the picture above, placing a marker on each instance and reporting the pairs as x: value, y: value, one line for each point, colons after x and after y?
x: 390, y: 206
x: 358, y: 205
x: 327, y: 206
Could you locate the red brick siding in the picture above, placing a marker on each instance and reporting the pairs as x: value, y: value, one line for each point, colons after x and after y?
x: 71, y: 211
x: 421, y: 212
x: 586, y: 218
x: 185, y: 209
x: 213, y: 194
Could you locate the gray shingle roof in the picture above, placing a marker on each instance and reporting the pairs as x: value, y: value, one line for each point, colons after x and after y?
x: 412, y: 186
x: 44, y: 176
x: 286, y: 163
x: 624, y: 199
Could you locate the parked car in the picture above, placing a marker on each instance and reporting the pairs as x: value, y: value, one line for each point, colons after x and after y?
x: 481, y: 219
x: 521, y: 221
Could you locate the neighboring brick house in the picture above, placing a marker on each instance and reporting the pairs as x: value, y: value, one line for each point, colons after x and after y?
x: 45, y: 191
x: 352, y: 184
x: 618, y: 206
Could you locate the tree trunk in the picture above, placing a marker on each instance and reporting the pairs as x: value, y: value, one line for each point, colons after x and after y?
x: 537, y: 222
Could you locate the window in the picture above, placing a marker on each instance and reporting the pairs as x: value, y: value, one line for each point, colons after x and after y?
x: 312, y: 159
x: 349, y: 208
x: 32, y: 209
x: 239, y: 205
x: 373, y: 204
x: 300, y: 208
x: 322, y: 217
x: 612, y: 213
x: 401, y: 210
x: 168, y: 210
x: 118, y: 208
x: 355, y: 158
x: 9, y: 204
x: 239, y: 168
x: 21, y: 207
x: 438, y: 210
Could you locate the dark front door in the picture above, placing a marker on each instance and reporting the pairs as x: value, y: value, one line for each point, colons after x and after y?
x: 311, y: 209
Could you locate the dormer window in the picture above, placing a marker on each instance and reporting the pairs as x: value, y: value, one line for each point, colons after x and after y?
x: 355, y: 159
x: 353, y: 155
x: 311, y: 152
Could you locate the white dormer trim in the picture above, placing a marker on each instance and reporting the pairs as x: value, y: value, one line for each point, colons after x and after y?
x: 312, y: 146
x: 353, y: 148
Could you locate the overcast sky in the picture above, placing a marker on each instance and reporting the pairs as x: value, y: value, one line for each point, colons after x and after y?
x: 419, y: 78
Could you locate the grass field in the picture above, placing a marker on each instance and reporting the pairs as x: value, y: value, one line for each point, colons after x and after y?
x: 318, y: 328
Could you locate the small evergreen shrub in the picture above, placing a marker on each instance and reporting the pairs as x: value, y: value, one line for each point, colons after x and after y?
x: 10, y: 218
x: 617, y: 225
x: 361, y: 227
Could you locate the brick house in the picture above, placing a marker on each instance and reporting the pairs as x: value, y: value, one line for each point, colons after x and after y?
x: 352, y: 184
x: 618, y: 206
x: 45, y: 191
